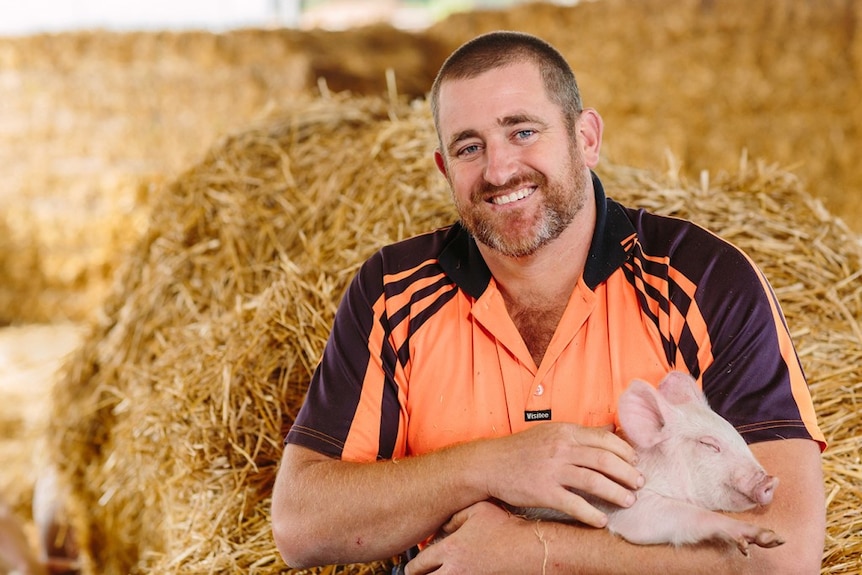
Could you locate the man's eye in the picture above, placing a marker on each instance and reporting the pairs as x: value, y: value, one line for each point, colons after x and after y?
x: 524, y: 134
x: 467, y: 150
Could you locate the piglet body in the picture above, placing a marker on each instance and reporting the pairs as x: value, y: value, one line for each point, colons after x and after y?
x: 694, y: 462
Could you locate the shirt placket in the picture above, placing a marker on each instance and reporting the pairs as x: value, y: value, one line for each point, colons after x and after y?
x: 529, y: 390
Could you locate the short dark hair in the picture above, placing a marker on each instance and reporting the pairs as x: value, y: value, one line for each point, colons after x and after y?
x: 500, y: 48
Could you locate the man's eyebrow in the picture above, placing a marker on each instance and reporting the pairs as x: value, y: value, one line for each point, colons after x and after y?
x: 516, y: 119
x: 460, y: 137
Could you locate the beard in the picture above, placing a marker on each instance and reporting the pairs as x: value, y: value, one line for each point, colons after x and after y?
x: 517, y: 233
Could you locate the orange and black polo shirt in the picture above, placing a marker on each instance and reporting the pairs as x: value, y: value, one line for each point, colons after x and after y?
x: 423, y: 354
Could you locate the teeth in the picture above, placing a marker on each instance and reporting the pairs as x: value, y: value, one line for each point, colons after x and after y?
x: 513, y: 197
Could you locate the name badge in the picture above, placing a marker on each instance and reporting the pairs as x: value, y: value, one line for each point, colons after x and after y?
x: 541, y: 415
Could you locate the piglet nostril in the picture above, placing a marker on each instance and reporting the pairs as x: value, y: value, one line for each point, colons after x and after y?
x: 765, y: 489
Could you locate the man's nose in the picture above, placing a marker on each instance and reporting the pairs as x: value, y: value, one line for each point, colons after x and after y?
x: 500, y: 164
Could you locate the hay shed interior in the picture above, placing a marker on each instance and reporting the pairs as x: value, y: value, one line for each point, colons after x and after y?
x: 198, y: 265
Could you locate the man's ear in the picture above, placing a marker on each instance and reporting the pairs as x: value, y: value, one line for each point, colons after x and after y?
x: 590, y: 127
x: 441, y: 162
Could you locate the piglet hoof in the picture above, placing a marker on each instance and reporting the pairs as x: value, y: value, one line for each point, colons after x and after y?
x: 768, y: 539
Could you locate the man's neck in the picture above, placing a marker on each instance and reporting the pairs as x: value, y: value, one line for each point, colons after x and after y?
x: 549, y: 275
x: 537, y: 288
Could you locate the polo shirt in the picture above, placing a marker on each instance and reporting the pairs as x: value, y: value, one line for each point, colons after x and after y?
x: 423, y: 354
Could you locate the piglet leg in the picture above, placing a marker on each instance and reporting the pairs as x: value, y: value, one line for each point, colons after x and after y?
x: 656, y: 519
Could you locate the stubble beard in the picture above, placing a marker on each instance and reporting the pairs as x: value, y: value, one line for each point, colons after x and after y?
x: 502, y: 232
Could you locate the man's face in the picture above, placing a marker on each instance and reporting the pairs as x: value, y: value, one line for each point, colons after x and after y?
x: 518, y: 176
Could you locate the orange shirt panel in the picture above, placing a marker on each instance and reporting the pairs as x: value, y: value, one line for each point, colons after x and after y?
x: 469, y: 378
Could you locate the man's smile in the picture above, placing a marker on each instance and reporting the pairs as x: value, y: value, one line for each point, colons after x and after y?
x: 504, y: 199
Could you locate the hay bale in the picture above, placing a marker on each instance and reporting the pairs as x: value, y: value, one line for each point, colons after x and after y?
x: 102, y: 118
x: 20, y: 275
x: 169, y: 421
x: 197, y: 367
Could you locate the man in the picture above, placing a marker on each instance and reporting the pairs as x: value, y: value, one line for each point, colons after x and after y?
x: 483, y: 361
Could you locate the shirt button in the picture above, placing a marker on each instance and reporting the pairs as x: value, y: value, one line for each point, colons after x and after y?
x: 539, y: 390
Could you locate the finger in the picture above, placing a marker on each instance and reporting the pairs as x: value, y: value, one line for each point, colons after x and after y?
x: 596, y: 484
x: 609, y: 466
x: 457, y: 520
x: 605, y: 452
x: 427, y: 561
x: 607, y: 440
x: 580, y: 509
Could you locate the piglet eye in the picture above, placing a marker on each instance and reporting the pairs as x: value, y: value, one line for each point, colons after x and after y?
x: 711, y: 443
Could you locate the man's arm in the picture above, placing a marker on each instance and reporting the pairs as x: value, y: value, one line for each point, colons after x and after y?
x: 483, y: 534
x: 329, y: 511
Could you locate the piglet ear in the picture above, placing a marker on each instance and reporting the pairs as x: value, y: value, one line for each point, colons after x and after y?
x: 679, y: 388
x: 643, y: 414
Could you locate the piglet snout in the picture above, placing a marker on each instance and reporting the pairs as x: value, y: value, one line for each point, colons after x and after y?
x: 764, y: 489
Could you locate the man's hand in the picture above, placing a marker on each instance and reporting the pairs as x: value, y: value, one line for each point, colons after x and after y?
x: 506, y: 543
x: 539, y: 468
x: 404, y: 501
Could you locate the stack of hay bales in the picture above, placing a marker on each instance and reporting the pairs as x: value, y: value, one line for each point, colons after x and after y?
x: 168, y: 423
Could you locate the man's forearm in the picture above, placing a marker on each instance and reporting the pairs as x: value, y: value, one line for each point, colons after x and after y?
x: 570, y: 549
x: 327, y: 511
x: 485, y: 539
